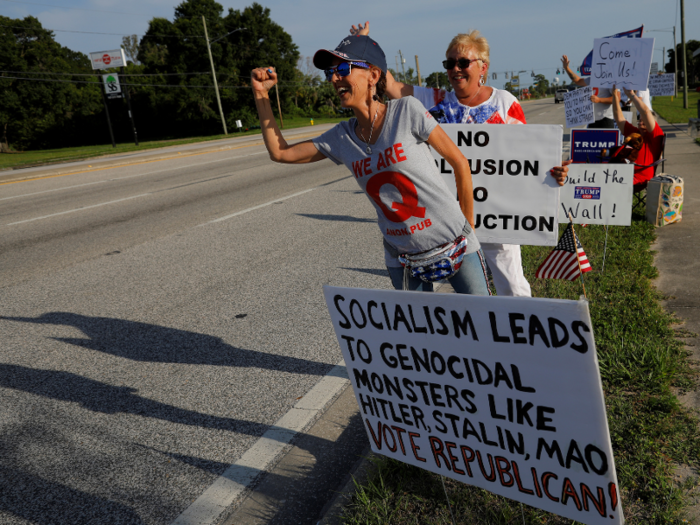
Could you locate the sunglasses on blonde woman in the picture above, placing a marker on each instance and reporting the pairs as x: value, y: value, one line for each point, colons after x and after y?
x: 463, y: 63
x: 343, y: 69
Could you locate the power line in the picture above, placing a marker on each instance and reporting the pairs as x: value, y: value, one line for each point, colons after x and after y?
x: 96, y: 74
x: 100, y: 33
x: 122, y: 83
x: 2, y: 77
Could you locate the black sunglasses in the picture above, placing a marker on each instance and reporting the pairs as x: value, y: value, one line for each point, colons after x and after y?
x: 463, y: 63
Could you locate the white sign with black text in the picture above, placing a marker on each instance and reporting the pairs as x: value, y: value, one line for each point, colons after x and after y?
x: 598, y: 194
x: 515, y: 199
x: 662, y: 85
x: 503, y: 393
x: 623, y: 62
x: 578, y: 107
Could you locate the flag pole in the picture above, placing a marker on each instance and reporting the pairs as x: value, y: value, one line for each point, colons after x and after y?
x: 605, y: 248
x: 580, y: 271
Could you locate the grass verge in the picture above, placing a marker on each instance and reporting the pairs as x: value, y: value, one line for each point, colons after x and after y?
x: 641, y: 362
x: 27, y: 159
x: 673, y: 111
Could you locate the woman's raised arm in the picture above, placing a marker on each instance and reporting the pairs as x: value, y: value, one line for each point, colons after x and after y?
x: 262, y: 80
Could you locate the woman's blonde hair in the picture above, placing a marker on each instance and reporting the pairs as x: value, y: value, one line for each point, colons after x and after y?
x: 472, y: 40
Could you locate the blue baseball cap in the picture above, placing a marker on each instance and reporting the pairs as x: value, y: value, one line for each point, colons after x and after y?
x: 353, y: 47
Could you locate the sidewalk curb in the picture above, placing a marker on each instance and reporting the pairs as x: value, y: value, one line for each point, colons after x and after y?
x: 333, y: 512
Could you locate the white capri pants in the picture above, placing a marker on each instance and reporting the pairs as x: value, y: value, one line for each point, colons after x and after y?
x: 506, y: 265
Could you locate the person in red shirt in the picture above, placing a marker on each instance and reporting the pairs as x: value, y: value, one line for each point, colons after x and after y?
x: 648, y: 128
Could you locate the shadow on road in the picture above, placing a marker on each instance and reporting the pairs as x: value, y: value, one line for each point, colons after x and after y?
x: 108, y: 399
x: 159, y: 344
x: 45, y: 502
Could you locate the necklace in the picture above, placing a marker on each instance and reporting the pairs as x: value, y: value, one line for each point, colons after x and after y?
x: 371, y: 130
x: 475, y: 94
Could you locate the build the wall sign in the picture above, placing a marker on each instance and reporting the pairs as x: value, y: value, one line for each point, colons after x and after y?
x: 515, y: 198
x: 503, y: 393
x: 598, y: 194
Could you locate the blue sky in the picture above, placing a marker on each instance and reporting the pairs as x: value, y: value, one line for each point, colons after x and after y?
x: 528, y: 36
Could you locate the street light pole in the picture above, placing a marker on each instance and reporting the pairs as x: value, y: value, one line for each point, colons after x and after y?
x: 213, y: 72
x: 675, y: 56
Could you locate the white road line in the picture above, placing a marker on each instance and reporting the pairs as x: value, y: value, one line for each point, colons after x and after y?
x: 116, y: 179
x: 258, y: 206
x: 232, y: 484
x: 79, y: 209
x: 146, y: 194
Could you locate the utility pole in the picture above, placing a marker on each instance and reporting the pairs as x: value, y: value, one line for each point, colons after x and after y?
x: 675, y: 65
x: 213, y: 74
x: 663, y: 59
x: 685, y: 69
x: 397, y: 65
x: 403, y: 68
x: 109, y: 121
x: 128, y: 105
x: 418, y: 72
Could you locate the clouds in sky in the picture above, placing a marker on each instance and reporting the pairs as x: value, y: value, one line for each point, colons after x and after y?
x: 528, y: 36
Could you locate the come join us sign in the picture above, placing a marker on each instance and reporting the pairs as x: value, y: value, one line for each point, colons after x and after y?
x: 503, y: 393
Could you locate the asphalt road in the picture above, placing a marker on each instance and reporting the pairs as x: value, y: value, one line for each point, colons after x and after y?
x: 158, y: 318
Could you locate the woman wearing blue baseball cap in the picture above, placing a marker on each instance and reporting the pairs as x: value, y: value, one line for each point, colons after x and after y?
x: 472, y: 102
x: 428, y: 235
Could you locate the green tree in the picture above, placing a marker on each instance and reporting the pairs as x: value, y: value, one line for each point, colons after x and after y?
x: 179, y: 47
x: 541, y: 85
x: 692, y: 64
x: 130, y: 44
x: 438, y: 79
x: 40, y: 113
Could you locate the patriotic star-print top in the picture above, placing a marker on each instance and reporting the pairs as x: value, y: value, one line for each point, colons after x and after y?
x: 500, y: 108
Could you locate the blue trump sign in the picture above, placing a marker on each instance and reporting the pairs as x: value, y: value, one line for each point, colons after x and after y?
x: 583, y: 192
x: 587, y: 144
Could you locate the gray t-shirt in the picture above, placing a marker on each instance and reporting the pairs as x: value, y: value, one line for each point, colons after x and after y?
x: 601, y: 111
x: 415, y: 209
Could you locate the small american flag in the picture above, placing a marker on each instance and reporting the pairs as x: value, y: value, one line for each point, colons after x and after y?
x: 562, y: 263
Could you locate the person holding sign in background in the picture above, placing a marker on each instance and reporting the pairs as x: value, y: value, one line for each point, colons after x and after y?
x: 648, y: 128
x: 601, y: 98
x: 385, y: 146
x: 472, y: 102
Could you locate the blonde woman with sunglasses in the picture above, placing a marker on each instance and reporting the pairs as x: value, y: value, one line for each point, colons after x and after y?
x: 428, y: 235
